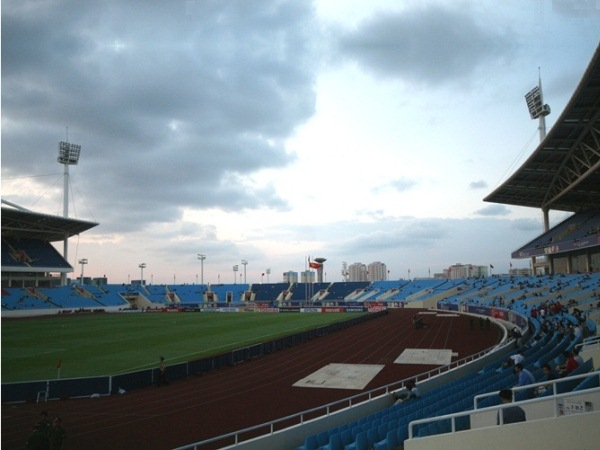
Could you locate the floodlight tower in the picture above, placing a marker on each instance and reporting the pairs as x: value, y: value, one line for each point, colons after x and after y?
x: 244, y: 263
x: 142, y: 266
x: 201, y: 257
x: 235, y: 269
x: 68, y: 155
x: 83, y: 262
x: 539, y: 110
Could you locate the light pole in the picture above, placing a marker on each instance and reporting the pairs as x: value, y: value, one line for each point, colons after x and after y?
x: 268, y: 273
x: 83, y: 262
x: 142, y: 266
x: 235, y: 269
x: 68, y: 155
x: 201, y: 258
x: 244, y: 263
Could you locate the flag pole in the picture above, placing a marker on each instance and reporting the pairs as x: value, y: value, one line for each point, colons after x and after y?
x: 58, y: 365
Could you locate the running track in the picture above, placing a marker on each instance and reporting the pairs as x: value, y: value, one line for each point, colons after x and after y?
x: 247, y: 394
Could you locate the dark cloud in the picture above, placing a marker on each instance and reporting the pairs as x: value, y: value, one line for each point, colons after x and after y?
x: 176, y: 104
x: 427, y: 45
x: 493, y: 210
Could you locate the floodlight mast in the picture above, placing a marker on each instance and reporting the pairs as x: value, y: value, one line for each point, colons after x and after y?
x: 539, y: 110
x: 68, y: 155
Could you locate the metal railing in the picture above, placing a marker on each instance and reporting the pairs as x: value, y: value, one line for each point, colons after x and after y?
x: 555, y: 398
x: 236, y: 437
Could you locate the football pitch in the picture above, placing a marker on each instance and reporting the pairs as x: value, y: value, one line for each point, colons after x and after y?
x: 110, y: 344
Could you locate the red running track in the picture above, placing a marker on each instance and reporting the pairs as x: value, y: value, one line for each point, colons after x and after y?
x: 249, y: 393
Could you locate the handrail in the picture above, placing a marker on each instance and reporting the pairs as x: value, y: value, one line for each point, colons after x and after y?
x: 555, y: 397
x: 344, y: 403
x: 534, y: 385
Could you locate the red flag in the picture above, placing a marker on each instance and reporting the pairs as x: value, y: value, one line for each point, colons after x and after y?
x: 59, y: 363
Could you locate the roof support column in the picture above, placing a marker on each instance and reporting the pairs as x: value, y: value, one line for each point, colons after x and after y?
x: 546, y: 218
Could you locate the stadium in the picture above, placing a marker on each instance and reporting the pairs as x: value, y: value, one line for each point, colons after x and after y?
x: 331, y: 386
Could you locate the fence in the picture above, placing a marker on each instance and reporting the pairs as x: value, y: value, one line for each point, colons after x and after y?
x: 112, y: 384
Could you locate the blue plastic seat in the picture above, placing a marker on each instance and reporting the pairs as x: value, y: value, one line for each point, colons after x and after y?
x: 310, y: 443
x: 360, y: 442
x: 391, y: 441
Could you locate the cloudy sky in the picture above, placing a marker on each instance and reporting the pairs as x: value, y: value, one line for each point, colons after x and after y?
x: 270, y: 130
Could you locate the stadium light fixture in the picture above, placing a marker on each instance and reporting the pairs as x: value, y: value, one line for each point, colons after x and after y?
x: 201, y: 258
x: 537, y: 108
x: 535, y: 103
x: 244, y: 263
x: 83, y: 262
x: 235, y: 269
x: 68, y: 155
x: 268, y: 273
x: 142, y: 266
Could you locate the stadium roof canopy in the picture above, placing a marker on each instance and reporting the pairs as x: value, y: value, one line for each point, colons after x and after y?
x: 21, y: 223
x: 563, y: 173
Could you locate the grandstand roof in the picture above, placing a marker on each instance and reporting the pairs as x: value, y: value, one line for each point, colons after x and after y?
x: 563, y: 173
x: 20, y: 223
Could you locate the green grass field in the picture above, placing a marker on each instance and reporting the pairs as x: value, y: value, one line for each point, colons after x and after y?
x: 105, y: 344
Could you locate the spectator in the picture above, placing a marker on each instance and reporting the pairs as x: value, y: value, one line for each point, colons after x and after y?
x: 569, y: 366
x: 418, y: 322
x: 45, y: 423
x: 525, y: 378
x: 510, y: 414
x: 577, y: 357
x: 517, y: 336
x: 57, y: 435
x: 549, y: 375
x: 410, y: 391
x: 162, y: 373
x: 37, y: 440
x: 517, y: 358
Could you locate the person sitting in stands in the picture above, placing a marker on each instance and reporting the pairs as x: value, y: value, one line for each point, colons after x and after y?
x: 577, y: 357
x: 549, y: 375
x: 511, y: 414
x: 525, y: 378
x: 569, y: 366
x: 418, y: 322
x: 408, y: 392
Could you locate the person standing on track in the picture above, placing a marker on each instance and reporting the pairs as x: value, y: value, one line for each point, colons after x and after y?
x: 57, y: 435
x: 162, y: 373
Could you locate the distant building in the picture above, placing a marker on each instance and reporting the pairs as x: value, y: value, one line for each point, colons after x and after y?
x: 524, y: 272
x: 377, y: 271
x: 465, y: 271
x: 290, y: 277
x: 308, y: 276
x: 357, y: 272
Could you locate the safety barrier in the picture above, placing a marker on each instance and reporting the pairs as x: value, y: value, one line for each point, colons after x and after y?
x: 114, y: 384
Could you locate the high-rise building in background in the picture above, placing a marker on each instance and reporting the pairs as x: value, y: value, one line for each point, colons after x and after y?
x: 290, y: 277
x: 465, y: 271
x: 357, y: 272
x: 377, y: 271
x: 307, y: 276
